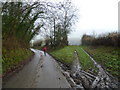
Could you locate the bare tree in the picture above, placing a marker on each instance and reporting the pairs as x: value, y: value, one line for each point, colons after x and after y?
x: 59, y: 18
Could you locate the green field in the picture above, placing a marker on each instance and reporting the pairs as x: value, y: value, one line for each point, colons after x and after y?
x: 106, y: 56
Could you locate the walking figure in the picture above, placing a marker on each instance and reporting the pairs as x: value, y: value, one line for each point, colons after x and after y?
x: 45, y: 49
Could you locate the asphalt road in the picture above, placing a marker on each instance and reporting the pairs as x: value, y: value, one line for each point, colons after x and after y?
x: 41, y: 72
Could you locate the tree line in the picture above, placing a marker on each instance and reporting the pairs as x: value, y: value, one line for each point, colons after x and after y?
x: 110, y: 39
x: 24, y: 20
x: 58, y: 23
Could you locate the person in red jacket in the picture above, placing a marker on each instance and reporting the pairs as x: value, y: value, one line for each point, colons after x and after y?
x: 45, y: 49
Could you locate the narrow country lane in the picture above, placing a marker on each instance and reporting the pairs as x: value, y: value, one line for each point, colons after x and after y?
x: 41, y: 72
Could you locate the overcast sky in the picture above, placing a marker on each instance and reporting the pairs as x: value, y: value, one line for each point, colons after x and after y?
x: 98, y: 16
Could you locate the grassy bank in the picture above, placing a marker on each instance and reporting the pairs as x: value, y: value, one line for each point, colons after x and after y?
x: 107, y: 56
x: 11, y: 59
x: 66, y: 55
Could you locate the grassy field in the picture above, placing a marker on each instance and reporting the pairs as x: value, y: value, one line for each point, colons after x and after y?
x: 10, y: 59
x: 66, y: 55
x: 107, y: 56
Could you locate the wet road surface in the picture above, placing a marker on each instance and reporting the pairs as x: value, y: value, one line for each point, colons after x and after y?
x: 41, y: 72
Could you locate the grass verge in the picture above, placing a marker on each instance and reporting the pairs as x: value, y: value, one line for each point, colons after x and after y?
x: 66, y: 55
x: 11, y: 59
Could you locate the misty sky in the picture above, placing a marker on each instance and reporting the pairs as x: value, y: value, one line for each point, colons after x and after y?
x: 94, y: 16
